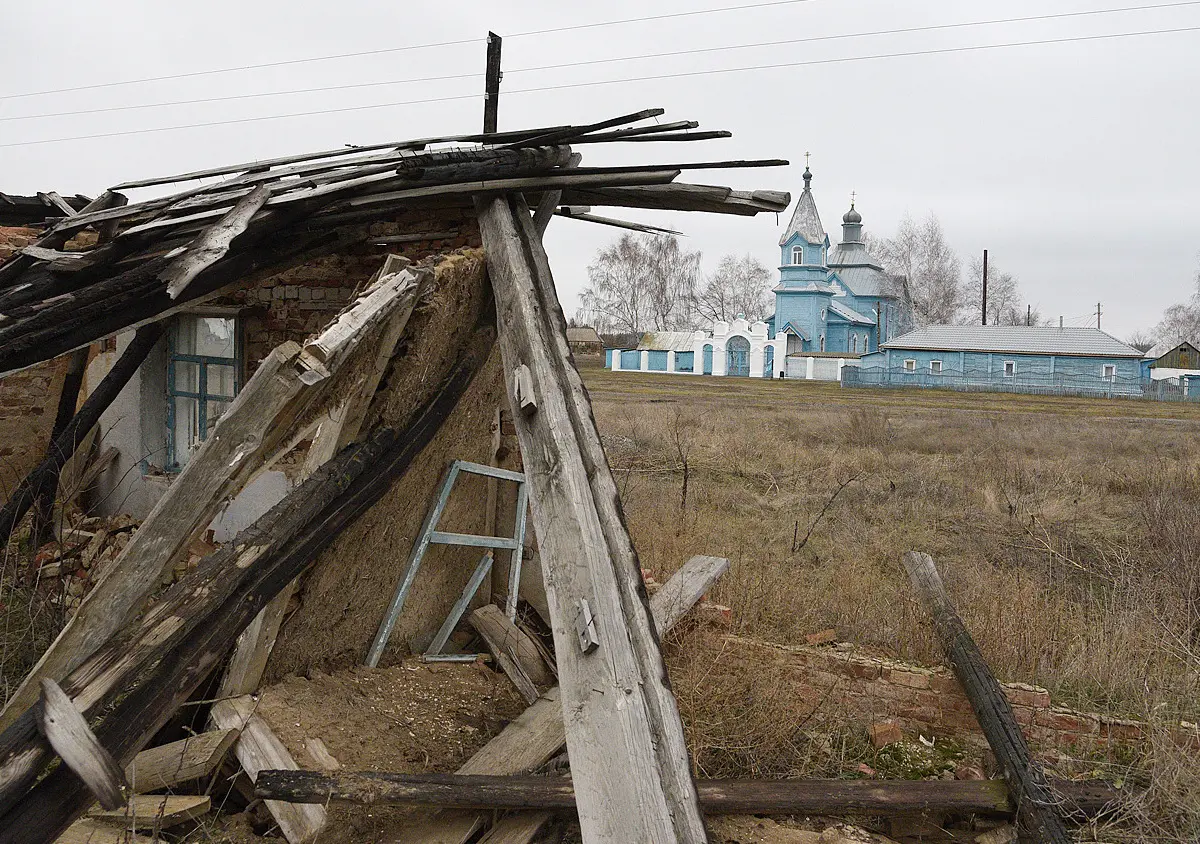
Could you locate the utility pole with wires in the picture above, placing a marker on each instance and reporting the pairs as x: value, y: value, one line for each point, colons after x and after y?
x: 985, y: 287
x: 1097, y: 314
x: 1028, y: 315
x: 491, y: 91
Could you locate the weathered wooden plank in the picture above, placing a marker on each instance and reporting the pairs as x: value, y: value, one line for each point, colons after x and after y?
x: 680, y: 197
x: 1036, y: 809
x: 717, y: 797
x: 176, y: 646
x: 68, y: 733
x: 96, y: 832
x: 516, y: 653
x: 155, y: 811
x: 249, y: 435
x: 550, y: 199
x: 213, y: 243
x: 52, y: 198
x: 683, y: 591
x: 520, y: 828
x: 259, y: 749
x: 168, y: 765
x: 570, y: 132
x: 538, y: 734
x: 614, y: 222
x: 624, y: 734
x: 46, y: 473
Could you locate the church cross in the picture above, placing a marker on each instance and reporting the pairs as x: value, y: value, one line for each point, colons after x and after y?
x: 806, y: 160
x: 852, y: 195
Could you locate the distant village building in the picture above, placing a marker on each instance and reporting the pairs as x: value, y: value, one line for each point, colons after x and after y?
x: 584, y: 340
x: 1021, y: 358
x: 1178, y: 368
x: 831, y: 306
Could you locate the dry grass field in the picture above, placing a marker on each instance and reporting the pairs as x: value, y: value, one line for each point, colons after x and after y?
x: 1067, y: 530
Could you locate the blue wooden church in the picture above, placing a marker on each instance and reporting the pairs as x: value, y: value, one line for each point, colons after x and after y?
x: 832, y: 301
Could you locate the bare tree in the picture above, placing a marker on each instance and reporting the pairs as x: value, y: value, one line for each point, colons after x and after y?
x: 929, y: 272
x: 1143, y: 341
x: 1004, y: 305
x: 1182, y: 321
x: 739, y: 286
x: 642, y: 283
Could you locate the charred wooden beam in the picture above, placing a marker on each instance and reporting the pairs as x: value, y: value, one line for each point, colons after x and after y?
x: 68, y: 401
x: 1036, y: 807
x: 45, y: 476
x: 149, y: 669
x: 717, y: 797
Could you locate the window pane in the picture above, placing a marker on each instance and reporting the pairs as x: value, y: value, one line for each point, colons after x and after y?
x: 187, y: 377
x: 205, y: 335
x: 187, y: 429
x: 220, y: 380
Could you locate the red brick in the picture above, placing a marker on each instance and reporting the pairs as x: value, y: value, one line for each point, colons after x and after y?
x: 885, y: 733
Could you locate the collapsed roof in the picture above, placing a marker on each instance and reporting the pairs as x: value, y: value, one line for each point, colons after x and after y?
x: 161, y: 255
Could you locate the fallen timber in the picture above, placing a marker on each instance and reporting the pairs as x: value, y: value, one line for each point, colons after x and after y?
x: 619, y: 710
x: 46, y: 473
x: 539, y: 734
x: 189, y: 632
x: 253, y: 432
x: 717, y: 797
x: 1036, y: 807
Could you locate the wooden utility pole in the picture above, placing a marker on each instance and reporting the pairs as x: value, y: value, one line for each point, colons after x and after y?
x: 1028, y: 315
x: 491, y: 96
x: 985, y: 287
x: 1097, y: 314
x: 1037, y: 808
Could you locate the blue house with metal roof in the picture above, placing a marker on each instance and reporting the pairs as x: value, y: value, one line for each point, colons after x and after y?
x: 1024, y: 359
x: 831, y: 301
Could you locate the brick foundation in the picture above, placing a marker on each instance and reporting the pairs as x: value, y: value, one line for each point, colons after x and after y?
x: 928, y: 700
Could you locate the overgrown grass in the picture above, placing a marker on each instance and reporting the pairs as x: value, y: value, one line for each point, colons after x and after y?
x: 1069, y: 541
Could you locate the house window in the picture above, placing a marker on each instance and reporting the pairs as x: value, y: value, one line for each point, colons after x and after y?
x: 935, y: 366
x: 822, y: 342
x: 203, y: 374
x: 1010, y: 368
x: 797, y: 254
x: 854, y: 344
x: 1110, y: 371
x: 910, y: 365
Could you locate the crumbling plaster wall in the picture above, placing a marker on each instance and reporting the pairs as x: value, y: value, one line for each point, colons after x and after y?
x: 345, y: 595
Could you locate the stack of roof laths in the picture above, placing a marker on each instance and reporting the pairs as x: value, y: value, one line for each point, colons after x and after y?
x: 171, y: 252
x: 127, y: 669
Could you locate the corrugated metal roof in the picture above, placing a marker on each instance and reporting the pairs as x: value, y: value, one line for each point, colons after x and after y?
x: 668, y: 341
x: 868, y: 281
x: 1015, y: 339
x: 849, y: 313
x: 805, y: 222
x: 852, y: 254
x: 810, y: 286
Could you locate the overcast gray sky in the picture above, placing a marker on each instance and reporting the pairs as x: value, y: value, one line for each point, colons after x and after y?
x: 1075, y: 164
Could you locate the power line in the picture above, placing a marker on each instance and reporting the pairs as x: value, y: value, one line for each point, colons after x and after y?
x: 656, y: 77
x: 385, y: 50
x: 695, y: 51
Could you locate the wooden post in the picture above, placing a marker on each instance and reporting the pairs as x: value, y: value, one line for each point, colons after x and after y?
x: 64, y: 446
x: 491, y: 96
x: 1036, y: 805
x: 68, y: 400
x: 985, y: 281
x: 719, y: 797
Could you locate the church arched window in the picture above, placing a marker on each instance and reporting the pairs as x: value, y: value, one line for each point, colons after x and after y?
x: 797, y: 254
x: 854, y: 344
x: 822, y: 342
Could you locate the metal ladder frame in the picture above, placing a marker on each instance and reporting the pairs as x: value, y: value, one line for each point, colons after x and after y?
x: 430, y: 534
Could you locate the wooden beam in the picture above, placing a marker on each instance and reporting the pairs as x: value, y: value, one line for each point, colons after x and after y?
x: 142, y: 676
x: 538, y: 734
x: 624, y: 734
x: 68, y: 733
x: 212, y: 244
x: 492, y: 76
x: 168, y: 765
x: 155, y: 811
x: 97, y: 832
x: 258, y: 749
x: 516, y: 653
x: 249, y: 435
x: 550, y: 199
x: 717, y: 797
x: 68, y: 402
x: 63, y: 447
x: 1030, y: 792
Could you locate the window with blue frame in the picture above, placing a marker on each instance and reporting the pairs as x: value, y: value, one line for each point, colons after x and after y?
x: 203, y: 376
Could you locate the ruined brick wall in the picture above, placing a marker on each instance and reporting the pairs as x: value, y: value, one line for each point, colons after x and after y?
x: 28, y: 399
x: 928, y: 700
